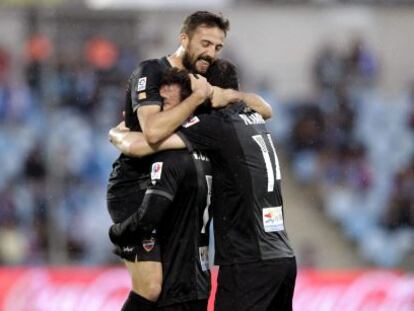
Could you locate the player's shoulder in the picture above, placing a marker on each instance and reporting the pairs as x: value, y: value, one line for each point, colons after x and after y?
x: 147, y: 66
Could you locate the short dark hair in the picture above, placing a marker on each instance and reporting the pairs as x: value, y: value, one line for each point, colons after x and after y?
x: 179, y: 77
x: 204, y: 18
x: 223, y: 73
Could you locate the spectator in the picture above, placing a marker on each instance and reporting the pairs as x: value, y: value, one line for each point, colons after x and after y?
x: 401, y: 205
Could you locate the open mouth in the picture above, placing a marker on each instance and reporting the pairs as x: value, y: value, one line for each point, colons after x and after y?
x: 203, y: 64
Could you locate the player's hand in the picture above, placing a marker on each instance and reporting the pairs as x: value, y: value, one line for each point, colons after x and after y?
x: 223, y: 97
x: 114, y: 133
x: 122, y: 127
x: 200, y: 86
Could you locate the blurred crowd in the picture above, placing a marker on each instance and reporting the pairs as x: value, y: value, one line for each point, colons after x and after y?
x: 55, y: 156
x: 356, y: 150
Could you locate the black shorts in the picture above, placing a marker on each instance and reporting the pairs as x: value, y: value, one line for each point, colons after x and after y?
x: 259, y: 286
x: 146, y: 248
x: 195, y: 305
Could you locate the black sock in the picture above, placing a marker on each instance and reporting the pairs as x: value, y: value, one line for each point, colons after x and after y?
x: 136, y: 302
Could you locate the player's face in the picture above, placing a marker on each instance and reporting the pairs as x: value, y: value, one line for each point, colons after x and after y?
x: 171, y: 95
x: 202, y: 48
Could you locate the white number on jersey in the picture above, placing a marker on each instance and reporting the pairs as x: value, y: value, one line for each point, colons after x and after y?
x: 260, y: 140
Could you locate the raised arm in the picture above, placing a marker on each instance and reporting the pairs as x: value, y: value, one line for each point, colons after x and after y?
x: 222, y: 97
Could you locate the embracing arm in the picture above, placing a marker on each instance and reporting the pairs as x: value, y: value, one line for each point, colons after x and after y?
x: 257, y: 103
x: 134, y: 144
x: 158, y: 125
x: 222, y: 97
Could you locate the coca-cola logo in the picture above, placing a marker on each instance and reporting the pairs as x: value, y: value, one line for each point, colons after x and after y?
x: 36, y: 290
x: 100, y: 289
x: 369, y: 291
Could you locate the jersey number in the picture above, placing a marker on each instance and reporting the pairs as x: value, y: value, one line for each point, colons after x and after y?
x: 261, y: 141
x: 206, y: 215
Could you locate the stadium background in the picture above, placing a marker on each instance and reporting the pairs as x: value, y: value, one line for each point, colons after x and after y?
x: 340, y: 78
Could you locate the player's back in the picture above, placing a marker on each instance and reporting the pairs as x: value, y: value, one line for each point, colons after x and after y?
x: 247, y: 199
x: 183, y: 233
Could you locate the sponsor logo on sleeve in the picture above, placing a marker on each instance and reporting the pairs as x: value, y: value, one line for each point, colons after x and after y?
x: 191, y: 121
x: 273, y: 219
x: 142, y: 95
x: 142, y: 84
x: 156, y: 171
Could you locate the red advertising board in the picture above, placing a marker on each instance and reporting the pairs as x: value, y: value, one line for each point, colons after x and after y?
x: 104, y: 289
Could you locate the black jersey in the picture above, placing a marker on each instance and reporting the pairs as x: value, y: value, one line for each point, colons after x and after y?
x: 131, y: 174
x: 185, y: 179
x: 247, y: 199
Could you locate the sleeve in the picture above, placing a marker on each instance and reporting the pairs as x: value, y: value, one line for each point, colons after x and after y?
x: 166, y: 175
x: 202, y: 132
x: 145, y: 84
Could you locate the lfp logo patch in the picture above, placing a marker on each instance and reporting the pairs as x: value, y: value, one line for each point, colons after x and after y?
x: 273, y: 219
x: 156, y: 171
x: 191, y: 121
x: 142, y: 84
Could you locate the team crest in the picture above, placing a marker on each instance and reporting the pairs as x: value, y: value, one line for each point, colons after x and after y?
x: 148, y: 245
x: 142, y: 84
x: 191, y: 121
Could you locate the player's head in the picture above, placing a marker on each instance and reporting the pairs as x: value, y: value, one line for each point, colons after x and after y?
x: 223, y: 74
x: 202, y: 37
x: 175, y: 87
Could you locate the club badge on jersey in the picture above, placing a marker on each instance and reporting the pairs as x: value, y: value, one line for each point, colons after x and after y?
x: 156, y: 172
x: 148, y: 245
x: 273, y: 219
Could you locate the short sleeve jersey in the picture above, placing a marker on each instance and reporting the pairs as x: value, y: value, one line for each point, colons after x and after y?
x: 185, y: 179
x: 247, y: 199
x: 129, y: 174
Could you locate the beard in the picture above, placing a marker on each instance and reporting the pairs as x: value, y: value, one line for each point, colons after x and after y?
x: 191, y: 66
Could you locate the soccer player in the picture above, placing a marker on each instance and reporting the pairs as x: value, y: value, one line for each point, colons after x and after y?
x: 257, y: 264
x: 176, y: 203
x: 201, y: 39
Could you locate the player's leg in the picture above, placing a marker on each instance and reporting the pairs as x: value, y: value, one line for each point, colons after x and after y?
x: 251, y: 286
x: 143, y: 261
x: 146, y: 278
x: 142, y: 257
x: 225, y: 296
x: 284, y: 296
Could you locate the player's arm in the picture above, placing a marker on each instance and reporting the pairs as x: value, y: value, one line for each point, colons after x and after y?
x: 134, y: 144
x: 145, y: 219
x: 204, y: 134
x: 157, y: 125
x: 222, y: 97
x: 166, y: 177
